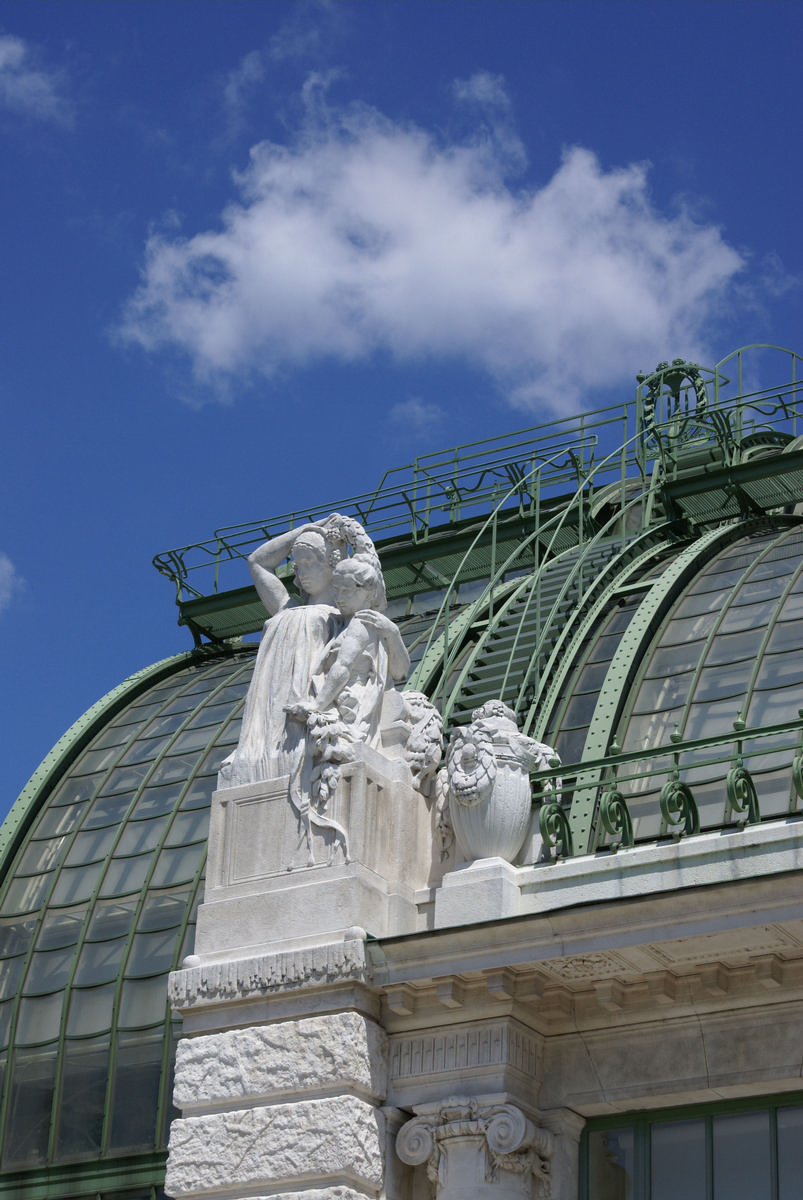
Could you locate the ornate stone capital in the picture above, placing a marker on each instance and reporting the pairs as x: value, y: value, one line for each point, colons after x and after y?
x: 481, y: 1149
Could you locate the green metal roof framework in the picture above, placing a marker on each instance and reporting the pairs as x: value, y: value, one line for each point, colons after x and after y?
x: 508, y: 564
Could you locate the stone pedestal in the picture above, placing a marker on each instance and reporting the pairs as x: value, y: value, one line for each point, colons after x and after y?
x: 485, y: 890
x: 269, y: 886
x: 278, y: 1098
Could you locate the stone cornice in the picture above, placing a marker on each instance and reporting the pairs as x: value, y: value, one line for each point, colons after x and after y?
x: 315, y: 967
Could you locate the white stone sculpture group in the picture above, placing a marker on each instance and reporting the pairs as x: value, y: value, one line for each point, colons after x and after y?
x: 324, y: 686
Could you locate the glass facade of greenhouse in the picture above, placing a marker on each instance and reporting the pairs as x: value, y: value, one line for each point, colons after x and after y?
x: 646, y: 627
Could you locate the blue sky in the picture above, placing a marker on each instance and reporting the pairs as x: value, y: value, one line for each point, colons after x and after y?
x: 255, y: 253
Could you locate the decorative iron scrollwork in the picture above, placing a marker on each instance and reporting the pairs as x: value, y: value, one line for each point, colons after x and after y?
x: 678, y: 807
x: 555, y: 829
x: 742, y: 795
x: 615, y: 817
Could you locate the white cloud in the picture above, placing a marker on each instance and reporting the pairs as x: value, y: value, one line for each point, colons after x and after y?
x: 416, y: 415
x: 10, y: 581
x: 28, y: 88
x: 309, y: 33
x: 240, y: 85
x: 363, y: 235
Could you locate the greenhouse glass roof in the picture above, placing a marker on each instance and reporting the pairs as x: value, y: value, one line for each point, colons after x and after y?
x: 647, y: 634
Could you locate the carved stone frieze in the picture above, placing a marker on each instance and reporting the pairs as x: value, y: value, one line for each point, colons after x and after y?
x: 503, y: 1050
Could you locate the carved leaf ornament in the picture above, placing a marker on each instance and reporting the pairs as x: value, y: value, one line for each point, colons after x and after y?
x: 472, y: 766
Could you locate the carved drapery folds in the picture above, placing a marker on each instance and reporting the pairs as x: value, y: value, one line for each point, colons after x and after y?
x: 480, y: 1149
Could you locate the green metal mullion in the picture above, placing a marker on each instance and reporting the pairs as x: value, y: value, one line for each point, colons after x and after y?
x: 436, y: 653
x: 631, y: 649
x: 574, y: 575
x: 207, y: 698
x: 468, y: 666
x: 164, y: 1076
x: 542, y: 704
x: 743, y: 578
x: 712, y: 635
x: 90, y: 907
x: 709, y: 1157
x: 77, y: 1179
x: 768, y: 631
x: 78, y: 738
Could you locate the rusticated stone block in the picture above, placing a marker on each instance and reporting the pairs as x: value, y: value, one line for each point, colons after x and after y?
x: 337, y: 1141
x: 342, y: 1050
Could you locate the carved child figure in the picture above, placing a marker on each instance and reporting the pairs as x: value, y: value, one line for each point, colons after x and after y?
x: 352, y: 674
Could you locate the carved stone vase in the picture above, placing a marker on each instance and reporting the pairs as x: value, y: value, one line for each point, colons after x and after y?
x: 489, y: 793
x: 495, y: 823
x: 488, y: 785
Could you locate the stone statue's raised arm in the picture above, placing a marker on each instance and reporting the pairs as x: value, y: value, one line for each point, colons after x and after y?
x: 307, y: 543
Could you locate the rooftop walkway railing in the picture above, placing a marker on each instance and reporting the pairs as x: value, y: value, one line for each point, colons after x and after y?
x: 673, y: 791
x: 678, y: 409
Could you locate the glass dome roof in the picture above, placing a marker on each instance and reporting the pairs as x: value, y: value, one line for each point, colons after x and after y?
x: 97, y: 907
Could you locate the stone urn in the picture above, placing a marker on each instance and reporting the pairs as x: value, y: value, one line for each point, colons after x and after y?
x: 490, y: 798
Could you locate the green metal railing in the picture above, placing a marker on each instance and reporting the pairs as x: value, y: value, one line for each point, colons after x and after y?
x: 680, y: 410
x: 659, y: 789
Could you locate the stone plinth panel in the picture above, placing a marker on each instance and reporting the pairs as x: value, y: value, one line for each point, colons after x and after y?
x: 267, y: 888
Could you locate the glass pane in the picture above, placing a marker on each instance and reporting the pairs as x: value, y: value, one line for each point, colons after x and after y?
x: 115, y: 735
x: 143, y: 1002
x: 199, y: 793
x: 192, y: 826
x: 125, y: 875
x: 192, y: 739
x: 173, y: 770
x: 10, y: 972
x: 26, y: 895
x: 163, y: 910
x: 177, y: 865
x: 83, y: 1098
x: 155, y: 801
x: 678, y: 1161
x: 49, y: 970
x: 41, y: 856
x: 5, y: 1026
x: 144, y: 750
x: 164, y: 726
x: 610, y: 1164
x: 111, y: 919
x: 16, y: 934
x: 90, y: 846
x: 790, y: 1153
x: 100, y: 961
x: 39, y: 1019
x: 90, y: 1010
x: 151, y: 953
x: 136, y: 1093
x: 31, y: 1100
x: 98, y: 759
x: 741, y: 1156
x: 111, y: 810
x: 73, y: 790
x: 76, y: 883
x: 139, y: 836
x: 61, y: 928
x: 61, y: 820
